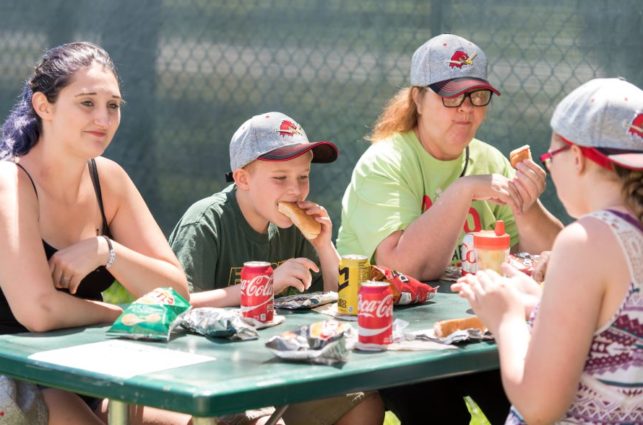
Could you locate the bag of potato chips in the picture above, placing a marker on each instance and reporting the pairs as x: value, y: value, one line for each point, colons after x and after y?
x: 151, y: 316
x: 406, y: 289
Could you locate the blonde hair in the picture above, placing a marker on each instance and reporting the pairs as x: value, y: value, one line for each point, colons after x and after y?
x: 632, y: 189
x: 399, y: 115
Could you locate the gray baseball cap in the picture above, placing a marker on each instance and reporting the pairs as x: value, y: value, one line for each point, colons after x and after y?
x: 605, y: 114
x: 450, y: 65
x: 274, y: 136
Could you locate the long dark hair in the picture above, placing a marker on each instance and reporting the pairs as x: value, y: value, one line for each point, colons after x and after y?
x: 22, y: 128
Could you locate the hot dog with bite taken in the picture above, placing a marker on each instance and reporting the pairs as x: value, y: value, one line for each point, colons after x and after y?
x: 305, y: 223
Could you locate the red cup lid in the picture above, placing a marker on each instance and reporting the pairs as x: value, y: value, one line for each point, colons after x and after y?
x: 492, y: 239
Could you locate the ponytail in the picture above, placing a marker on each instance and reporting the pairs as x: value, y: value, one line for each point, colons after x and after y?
x: 21, y: 129
x: 632, y: 189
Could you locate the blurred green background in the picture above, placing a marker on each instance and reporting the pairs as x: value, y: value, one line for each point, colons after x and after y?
x: 193, y: 70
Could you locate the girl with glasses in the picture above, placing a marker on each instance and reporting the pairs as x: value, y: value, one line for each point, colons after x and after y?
x: 584, y: 332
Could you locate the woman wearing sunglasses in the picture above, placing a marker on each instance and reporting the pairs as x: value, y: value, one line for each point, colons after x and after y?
x: 425, y: 182
x: 585, y: 332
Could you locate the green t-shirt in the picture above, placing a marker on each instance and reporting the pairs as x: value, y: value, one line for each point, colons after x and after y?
x: 213, y: 239
x: 396, y: 180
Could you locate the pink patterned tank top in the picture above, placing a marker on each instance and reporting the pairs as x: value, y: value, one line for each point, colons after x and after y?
x: 610, y: 390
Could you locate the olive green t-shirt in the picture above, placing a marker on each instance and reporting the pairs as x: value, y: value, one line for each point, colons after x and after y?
x: 396, y: 180
x: 213, y: 239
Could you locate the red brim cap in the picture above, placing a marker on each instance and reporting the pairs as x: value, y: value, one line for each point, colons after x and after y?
x: 323, y: 152
x: 456, y: 86
x: 626, y: 159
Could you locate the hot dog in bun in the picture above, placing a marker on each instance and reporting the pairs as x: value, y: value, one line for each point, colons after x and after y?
x: 520, y: 154
x: 445, y: 328
x: 305, y: 223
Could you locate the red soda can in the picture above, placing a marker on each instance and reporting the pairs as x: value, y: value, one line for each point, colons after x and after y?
x: 256, y: 291
x: 375, y: 313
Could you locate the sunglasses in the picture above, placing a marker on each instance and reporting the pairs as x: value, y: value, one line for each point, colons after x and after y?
x: 477, y: 98
x: 545, y: 159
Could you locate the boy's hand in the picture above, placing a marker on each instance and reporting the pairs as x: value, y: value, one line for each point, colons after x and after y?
x: 320, y: 215
x: 294, y: 272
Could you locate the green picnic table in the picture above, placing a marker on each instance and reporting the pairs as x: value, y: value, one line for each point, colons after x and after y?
x: 211, y: 377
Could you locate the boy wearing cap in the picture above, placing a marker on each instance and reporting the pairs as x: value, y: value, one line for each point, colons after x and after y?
x: 270, y: 158
x: 425, y: 182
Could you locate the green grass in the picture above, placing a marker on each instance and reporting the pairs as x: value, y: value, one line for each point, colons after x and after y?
x: 391, y: 419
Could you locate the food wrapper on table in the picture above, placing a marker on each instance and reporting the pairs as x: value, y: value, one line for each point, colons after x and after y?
x: 215, y: 322
x: 305, y: 301
x: 523, y: 261
x: 326, y: 342
x: 406, y: 289
x: 151, y: 316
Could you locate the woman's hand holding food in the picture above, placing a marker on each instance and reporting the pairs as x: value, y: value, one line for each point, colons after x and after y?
x: 528, y: 183
x: 494, y: 188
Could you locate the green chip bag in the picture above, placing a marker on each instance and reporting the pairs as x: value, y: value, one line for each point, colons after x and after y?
x: 151, y: 316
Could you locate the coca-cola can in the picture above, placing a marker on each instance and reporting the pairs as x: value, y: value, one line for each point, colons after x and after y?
x: 468, y: 255
x: 375, y: 313
x: 256, y: 291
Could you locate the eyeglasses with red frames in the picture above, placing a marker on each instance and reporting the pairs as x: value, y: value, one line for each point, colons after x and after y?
x: 546, y: 158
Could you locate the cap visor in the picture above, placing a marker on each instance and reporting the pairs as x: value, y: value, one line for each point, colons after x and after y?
x: 632, y: 161
x: 323, y: 152
x: 456, y: 86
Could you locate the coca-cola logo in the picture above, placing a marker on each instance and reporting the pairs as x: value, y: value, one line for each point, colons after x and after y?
x: 258, y: 286
x: 378, y: 308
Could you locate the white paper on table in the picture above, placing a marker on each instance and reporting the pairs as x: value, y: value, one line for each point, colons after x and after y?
x: 331, y: 310
x: 122, y: 359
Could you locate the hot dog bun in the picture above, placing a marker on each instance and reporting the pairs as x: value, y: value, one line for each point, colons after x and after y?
x: 519, y: 154
x: 445, y: 328
x: 305, y: 223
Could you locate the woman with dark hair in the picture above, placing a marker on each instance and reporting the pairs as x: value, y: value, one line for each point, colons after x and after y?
x: 71, y: 221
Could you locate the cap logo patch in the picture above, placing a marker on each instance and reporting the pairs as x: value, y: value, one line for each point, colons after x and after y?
x: 288, y: 128
x: 461, y: 58
x: 637, y: 126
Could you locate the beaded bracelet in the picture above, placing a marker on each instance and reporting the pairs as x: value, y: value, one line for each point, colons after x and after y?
x: 112, y: 253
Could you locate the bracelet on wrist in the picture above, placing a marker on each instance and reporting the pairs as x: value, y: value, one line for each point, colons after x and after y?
x: 111, y: 257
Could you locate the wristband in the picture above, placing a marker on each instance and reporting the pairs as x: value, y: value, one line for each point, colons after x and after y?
x: 112, y: 254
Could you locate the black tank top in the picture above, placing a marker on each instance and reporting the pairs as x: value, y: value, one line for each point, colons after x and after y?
x: 90, y: 287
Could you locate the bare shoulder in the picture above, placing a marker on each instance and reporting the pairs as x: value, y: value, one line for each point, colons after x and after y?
x: 11, y: 178
x: 589, y: 244
x: 113, y: 176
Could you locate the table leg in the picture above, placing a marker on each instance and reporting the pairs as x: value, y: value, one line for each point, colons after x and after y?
x: 117, y: 413
x: 204, y: 421
x: 279, y: 412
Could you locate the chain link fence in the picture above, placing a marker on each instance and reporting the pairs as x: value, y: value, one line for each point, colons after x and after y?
x: 193, y: 70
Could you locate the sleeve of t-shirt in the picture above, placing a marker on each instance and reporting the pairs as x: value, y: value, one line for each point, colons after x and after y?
x: 195, y: 246
x: 382, y: 202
